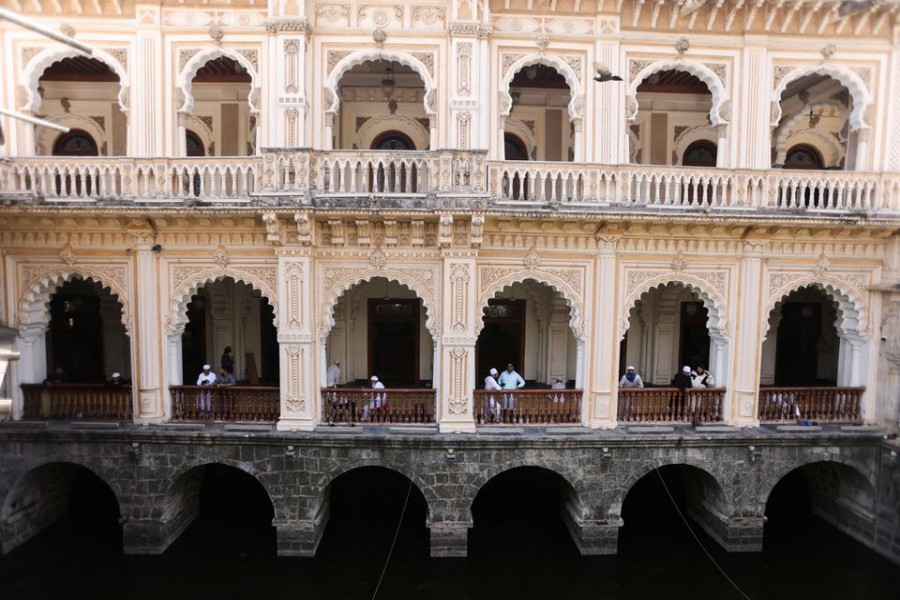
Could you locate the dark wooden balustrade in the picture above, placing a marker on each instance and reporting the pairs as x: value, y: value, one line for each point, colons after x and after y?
x: 364, y: 405
x: 670, y: 405
x: 77, y: 401
x: 531, y: 407
x: 235, y: 404
x: 819, y: 404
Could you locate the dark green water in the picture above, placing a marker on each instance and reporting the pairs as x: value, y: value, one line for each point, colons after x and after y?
x: 518, y: 549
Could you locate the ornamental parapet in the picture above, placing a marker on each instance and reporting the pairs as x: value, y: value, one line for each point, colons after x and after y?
x: 446, y: 179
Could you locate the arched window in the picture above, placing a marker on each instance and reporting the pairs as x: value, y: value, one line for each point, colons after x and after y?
x: 701, y: 153
x: 194, y: 144
x: 75, y: 143
x: 514, y: 147
x: 393, y: 140
x: 803, y: 157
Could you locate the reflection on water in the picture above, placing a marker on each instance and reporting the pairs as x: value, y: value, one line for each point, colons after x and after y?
x: 521, y: 551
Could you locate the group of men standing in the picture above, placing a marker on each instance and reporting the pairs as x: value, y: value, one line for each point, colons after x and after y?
x: 684, y: 380
x: 340, y: 404
x: 207, y: 378
x: 508, y: 380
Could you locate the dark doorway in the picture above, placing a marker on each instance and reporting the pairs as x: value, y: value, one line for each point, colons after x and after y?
x: 194, y: 144
x: 514, y: 148
x: 193, y: 340
x: 694, y: 348
x: 75, y: 143
x: 268, y: 337
x: 393, y: 140
x: 75, y: 340
x: 502, y: 340
x: 701, y: 153
x: 797, y: 353
x: 803, y: 157
x: 394, y: 341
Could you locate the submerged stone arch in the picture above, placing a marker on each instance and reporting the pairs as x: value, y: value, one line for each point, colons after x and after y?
x: 573, y: 80
x: 184, y: 81
x: 195, y: 278
x: 718, y: 112
x: 40, y: 283
x: 852, y: 81
x: 186, y: 483
x: 713, y: 301
x: 429, y: 494
x: 35, y: 68
x: 506, y: 277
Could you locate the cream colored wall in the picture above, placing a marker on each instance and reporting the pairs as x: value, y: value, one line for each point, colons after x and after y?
x: 93, y: 107
x: 210, y: 102
x: 348, y: 133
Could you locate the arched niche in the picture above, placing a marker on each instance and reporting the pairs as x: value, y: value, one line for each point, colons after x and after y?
x: 35, y: 68
x: 182, y: 294
x: 858, y: 92
x: 185, y: 78
x: 378, y: 125
x: 47, y: 138
x: 572, y: 298
x: 573, y: 80
x: 718, y: 112
x: 831, y: 149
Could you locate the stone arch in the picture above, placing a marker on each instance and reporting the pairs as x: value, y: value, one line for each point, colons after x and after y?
x: 828, y: 148
x: 427, y: 491
x: 184, y: 290
x: 35, y: 300
x: 577, y: 487
x: 712, y: 299
x: 35, y: 68
x: 705, y: 133
x: 784, y: 131
x: 341, y: 282
x: 719, y: 109
x: 46, y: 137
x: 573, y: 79
x: 852, y: 319
x: 185, y: 79
x: 186, y: 483
x: 853, y: 82
x: 376, y: 125
x: 572, y: 297
x: 846, y: 472
x: 332, y: 85
x: 201, y: 129
x: 518, y: 129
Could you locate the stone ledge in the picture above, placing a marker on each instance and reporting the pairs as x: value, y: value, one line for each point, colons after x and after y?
x: 179, y: 426
x: 567, y: 431
x: 652, y: 429
x: 94, y: 424
x: 412, y: 430
x: 799, y: 428
x: 339, y: 429
x: 863, y: 429
x: 25, y: 424
x: 247, y: 427
x: 716, y: 429
x: 487, y: 430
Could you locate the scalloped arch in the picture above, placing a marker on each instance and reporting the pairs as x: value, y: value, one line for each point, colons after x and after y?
x: 326, y: 319
x: 181, y: 296
x: 714, y: 303
x: 35, y: 68
x: 701, y: 71
x: 186, y: 77
x: 35, y: 301
x: 557, y: 284
x: 576, y: 94
x: 858, y: 91
x: 361, y: 56
x: 852, y: 313
x: 377, y: 125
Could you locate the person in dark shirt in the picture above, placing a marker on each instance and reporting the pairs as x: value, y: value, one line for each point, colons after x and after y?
x: 682, y: 382
x: 59, y: 375
x: 115, y: 381
x: 228, y: 360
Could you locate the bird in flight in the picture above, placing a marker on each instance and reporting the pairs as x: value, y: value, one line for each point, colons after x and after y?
x: 604, y: 74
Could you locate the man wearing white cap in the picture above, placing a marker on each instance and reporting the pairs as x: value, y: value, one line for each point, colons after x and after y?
x: 378, y: 400
x: 204, y: 399
x: 115, y: 381
x: 491, y: 406
x: 631, y: 379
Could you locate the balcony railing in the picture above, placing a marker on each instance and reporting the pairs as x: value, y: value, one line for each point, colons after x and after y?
x: 810, y: 404
x: 236, y: 404
x: 353, y: 406
x: 76, y: 401
x: 527, y: 407
x: 670, y: 405
x: 433, y: 178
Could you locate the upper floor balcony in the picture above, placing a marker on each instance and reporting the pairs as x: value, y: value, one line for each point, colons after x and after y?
x: 444, y: 180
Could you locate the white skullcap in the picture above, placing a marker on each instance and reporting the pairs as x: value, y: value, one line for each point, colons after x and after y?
x: 374, y: 377
x: 686, y: 369
x: 116, y: 375
x: 493, y: 371
x: 206, y: 367
x: 629, y: 368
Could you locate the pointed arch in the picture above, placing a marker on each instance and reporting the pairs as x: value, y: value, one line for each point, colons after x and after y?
x: 853, y: 82
x: 717, y: 112
x: 35, y: 68
x: 340, y: 282
x: 852, y: 319
x: 184, y: 81
x: 186, y: 289
x: 572, y: 297
x: 573, y: 80
x: 34, y: 304
x: 717, y: 320
x: 332, y: 84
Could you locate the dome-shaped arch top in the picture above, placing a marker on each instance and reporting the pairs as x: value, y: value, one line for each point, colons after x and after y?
x: 35, y: 68
x: 572, y: 297
x: 186, y: 77
x: 717, y: 112
x: 858, y: 91
x: 374, y: 55
x: 182, y: 295
x: 717, y: 321
x: 851, y: 311
x: 573, y: 80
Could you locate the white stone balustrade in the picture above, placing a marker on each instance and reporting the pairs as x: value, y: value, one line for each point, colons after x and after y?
x: 295, y: 173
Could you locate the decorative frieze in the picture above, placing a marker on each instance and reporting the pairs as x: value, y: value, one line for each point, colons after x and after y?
x: 295, y: 399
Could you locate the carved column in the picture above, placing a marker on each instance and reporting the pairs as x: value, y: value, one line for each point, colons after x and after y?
x: 145, y: 124
x: 607, y: 114
x: 299, y: 400
x: 468, y: 121
x: 606, y: 341
x: 742, y: 375
x: 752, y: 113
x: 288, y: 48
x: 148, y: 334
x: 457, y: 346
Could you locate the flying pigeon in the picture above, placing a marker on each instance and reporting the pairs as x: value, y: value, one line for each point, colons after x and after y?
x: 604, y: 74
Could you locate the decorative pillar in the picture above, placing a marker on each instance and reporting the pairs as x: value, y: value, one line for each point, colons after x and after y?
x: 722, y: 145
x: 751, y: 113
x: 457, y: 346
x: 606, y: 339
x: 742, y: 376
x: 147, y: 374
x: 288, y: 49
x: 145, y: 122
x: 299, y: 398
x: 608, y: 114
x: 862, y: 150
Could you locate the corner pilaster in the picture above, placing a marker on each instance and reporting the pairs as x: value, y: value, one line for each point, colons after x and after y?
x: 147, y: 335
x: 602, y: 403
x: 457, y: 345
x: 746, y: 364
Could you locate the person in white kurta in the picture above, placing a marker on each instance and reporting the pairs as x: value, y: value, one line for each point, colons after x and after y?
x: 377, y: 400
x: 204, y: 398
x: 491, y: 406
x: 337, y: 403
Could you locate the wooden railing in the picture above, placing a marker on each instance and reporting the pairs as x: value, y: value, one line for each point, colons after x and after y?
x: 76, y: 401
x: 239, y: 404
x: 363, y: 405
x: 527, y: 407
x: 670, y: 405
x: 811, y: 404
